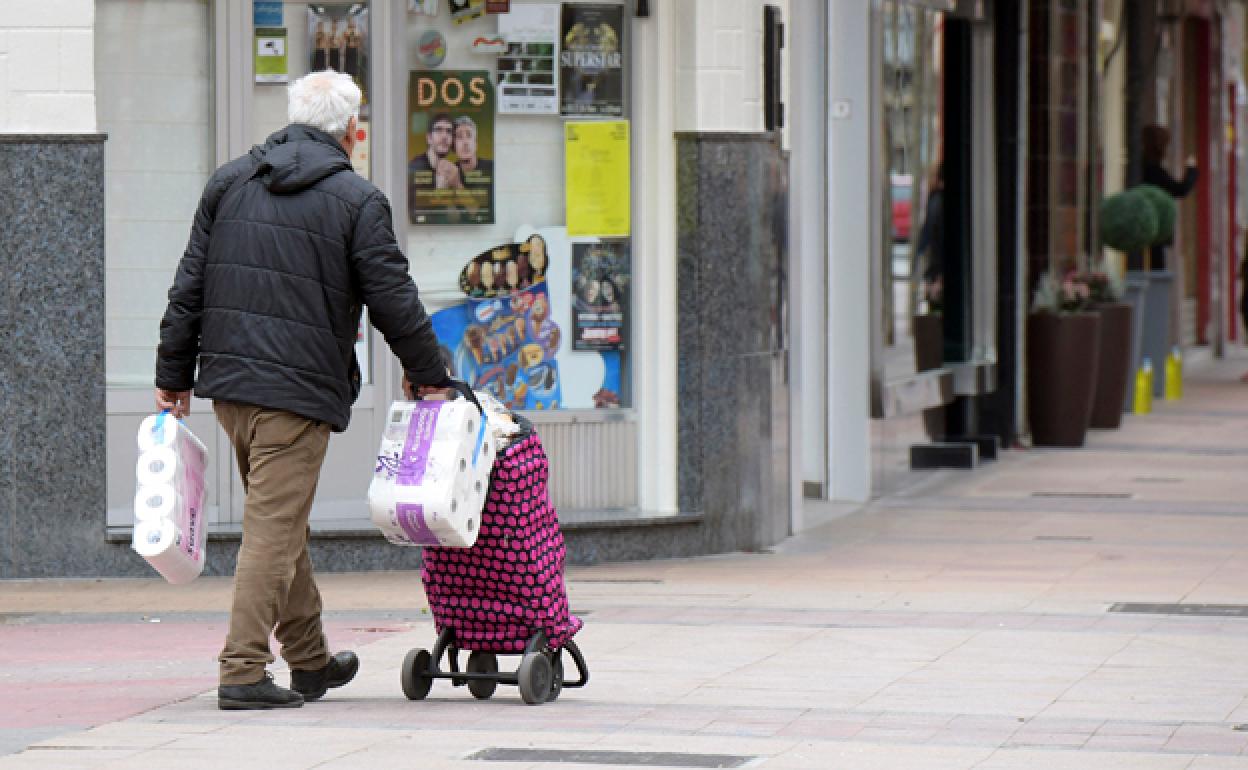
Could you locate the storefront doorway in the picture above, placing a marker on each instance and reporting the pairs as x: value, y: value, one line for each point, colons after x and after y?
x: 933, y: 341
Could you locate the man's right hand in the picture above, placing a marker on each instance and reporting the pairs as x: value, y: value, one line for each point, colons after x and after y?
x: 176, y: 402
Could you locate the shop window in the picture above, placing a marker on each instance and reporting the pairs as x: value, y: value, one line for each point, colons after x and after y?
x: 530, y: 303
x: 154, y: 91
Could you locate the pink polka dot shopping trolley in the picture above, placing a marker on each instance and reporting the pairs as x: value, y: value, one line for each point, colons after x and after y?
x: 494, y: 581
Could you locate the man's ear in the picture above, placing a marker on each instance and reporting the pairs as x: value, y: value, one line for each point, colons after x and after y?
x: 348, y: 139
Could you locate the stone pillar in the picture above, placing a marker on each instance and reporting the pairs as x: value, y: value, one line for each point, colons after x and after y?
x: 733, y: 256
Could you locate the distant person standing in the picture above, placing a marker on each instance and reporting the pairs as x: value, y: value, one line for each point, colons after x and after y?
x: 931, y: 245
x: 1155, y: 142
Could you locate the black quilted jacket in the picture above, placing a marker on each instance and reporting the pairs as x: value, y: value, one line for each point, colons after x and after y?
x: 267, y: 296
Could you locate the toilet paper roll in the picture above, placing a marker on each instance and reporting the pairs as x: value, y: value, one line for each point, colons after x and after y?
x: 167, y: 465
x: 158, y: 501
x: 164, y: 545
x: 158, y: 465
x: 433, y: 514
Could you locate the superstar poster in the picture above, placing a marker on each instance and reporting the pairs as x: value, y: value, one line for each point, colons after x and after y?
x: 591, y: 60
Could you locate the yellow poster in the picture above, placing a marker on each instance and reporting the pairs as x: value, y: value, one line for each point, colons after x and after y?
x: 597, y: 178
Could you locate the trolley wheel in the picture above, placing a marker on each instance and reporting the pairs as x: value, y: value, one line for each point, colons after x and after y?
x: 482, y: 663
x: 534, y: 677
x: 556, y: 678
x: 415, y: 674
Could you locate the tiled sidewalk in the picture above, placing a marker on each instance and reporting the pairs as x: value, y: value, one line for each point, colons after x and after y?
x: 961, y: 623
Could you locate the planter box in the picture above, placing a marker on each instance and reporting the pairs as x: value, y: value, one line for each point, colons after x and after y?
x: 1114, y: 366
x: 929, y: 353
x: 1062, y: 358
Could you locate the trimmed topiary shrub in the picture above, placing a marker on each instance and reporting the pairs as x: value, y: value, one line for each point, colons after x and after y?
x: 1128, y: 221
x: 1164, y: 207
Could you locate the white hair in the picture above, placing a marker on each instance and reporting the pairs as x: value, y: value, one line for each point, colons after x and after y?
x: 326, y: 100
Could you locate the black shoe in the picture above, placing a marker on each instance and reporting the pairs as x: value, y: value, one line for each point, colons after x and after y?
x: 264, y: 694
x: 338, y: 671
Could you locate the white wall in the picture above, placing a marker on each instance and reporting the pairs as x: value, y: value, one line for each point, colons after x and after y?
x: 155, y: 103
x: 851, y: 238
x: 720, y: 76
x: 807, y: 111
x: 46, y: 71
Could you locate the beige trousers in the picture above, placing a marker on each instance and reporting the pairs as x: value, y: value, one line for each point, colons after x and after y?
x: 279, y: 457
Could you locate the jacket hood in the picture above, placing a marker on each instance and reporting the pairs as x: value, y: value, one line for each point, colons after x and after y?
x: 297, y: 157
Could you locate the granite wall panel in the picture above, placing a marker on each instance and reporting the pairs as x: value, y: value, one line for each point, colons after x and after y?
x: 52, y: 371
x: 733, y: 429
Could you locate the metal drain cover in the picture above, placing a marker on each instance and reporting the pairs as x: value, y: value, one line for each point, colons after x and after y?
x: 627, y: 758
x: 1200, y: 610
x: 1085, y: 495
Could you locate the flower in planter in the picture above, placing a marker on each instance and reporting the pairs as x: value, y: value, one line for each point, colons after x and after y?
x: 1104, y: 284
x: 1071, y: 294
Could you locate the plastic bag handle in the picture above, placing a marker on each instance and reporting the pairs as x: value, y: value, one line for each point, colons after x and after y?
x: 466, y: 391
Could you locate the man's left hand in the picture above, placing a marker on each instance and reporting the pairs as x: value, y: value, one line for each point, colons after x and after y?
x: 177, y: 402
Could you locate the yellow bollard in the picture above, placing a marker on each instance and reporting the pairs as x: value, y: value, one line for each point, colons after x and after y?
x: 1144, y: 388
x: 1174, y: 375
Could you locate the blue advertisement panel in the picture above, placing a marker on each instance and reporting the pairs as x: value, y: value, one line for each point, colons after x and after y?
x: 505, y: 345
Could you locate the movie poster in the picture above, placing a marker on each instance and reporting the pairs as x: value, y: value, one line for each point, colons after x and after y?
x: 338, y: 40
x: 591, y: 62
x: 505, y: 345
x: 600, y: 281
x: 450, y: 147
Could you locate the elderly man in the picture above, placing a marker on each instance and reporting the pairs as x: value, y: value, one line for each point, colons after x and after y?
x: 286, y: 246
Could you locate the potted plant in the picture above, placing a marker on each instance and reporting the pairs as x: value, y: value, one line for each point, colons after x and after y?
x: 1133, y: 221
x: 1105, y: 288
x: 1063, y: 349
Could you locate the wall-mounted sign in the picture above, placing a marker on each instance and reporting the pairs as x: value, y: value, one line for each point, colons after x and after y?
x: 338, y: 40
x: 596, y: 166
x: 498, y: 6
x: 361, y: 152
x: 591, y: 61
x: 466, y: 10
x: 526, y: 72
x: 271, y: 63
x: 450, y: 147
x: 489, y: 45
x: 505, y: 269
x: 431, y: 49
x: 266, y: 13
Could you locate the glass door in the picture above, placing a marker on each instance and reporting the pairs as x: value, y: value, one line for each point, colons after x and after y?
x: 289, y: 42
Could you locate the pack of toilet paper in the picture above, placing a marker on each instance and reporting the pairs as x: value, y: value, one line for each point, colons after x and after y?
x: 432, y: 474
x: 169, y: 521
